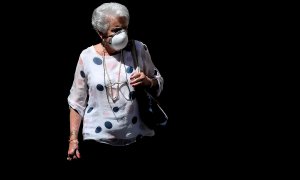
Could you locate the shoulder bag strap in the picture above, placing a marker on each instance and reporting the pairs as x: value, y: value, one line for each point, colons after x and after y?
x: 134, y: 56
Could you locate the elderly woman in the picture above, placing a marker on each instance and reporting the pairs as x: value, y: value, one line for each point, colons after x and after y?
x: 102, y: 95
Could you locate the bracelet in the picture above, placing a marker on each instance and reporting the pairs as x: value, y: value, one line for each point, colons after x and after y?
x: 73, y: 140
x: 74, y: 132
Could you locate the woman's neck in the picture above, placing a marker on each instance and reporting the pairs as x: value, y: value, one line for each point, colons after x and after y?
x: 105, y: 49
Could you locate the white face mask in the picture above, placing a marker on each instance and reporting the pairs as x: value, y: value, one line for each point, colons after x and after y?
x: 119, y: 40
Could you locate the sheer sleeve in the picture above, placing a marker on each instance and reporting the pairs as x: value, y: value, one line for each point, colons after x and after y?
x: 150, y: 70
x: 77, y: 98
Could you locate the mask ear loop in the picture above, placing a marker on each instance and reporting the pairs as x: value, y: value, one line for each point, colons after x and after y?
x: 100, y: 36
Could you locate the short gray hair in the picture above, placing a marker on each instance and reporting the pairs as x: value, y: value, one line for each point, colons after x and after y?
x: 100, y: 17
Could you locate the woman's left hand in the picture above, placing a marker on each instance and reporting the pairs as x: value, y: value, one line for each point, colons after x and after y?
x: 140, y: 78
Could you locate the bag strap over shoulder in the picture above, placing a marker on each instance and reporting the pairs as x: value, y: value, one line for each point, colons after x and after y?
x: 136, y: 65
x: 134, y: 56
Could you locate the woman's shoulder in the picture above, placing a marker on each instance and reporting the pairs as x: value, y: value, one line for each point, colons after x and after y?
x: 141, y: 45
x: 88, y: 50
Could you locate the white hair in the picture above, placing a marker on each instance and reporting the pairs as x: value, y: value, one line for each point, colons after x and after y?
x: 100, y: 17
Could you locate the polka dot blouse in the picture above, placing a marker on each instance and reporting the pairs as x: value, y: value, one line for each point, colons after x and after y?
x: 102, y: 95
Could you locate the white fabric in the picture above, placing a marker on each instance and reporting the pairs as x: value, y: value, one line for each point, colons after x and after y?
x: 89, y: 97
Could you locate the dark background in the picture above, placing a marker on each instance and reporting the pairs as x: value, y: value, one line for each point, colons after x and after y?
x: 196, y: 46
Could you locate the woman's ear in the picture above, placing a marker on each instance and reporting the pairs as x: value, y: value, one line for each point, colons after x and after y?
x: 100, y: 34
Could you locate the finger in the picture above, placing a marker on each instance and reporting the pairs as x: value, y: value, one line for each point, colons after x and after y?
x: 142, y: 75
x: 70, y: 154
x: 135, y: 75
x: 70, y: 157
x: 135, y: 81
x: 135, y: 84
x: 77, y: 153
x: 71, y: 151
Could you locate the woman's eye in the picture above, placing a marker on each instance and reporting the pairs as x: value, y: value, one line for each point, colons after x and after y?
x: 116, y: 30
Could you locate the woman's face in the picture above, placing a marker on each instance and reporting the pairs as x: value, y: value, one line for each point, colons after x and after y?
x: 116, y: 24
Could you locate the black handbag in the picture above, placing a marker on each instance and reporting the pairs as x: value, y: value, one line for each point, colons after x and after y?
x: 151, y: 112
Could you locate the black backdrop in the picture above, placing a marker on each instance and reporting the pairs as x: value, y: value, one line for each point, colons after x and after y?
x: 196, y: 48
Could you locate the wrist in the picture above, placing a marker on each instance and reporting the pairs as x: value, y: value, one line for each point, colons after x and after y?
x: 151, y: 83
x: 73, y: 134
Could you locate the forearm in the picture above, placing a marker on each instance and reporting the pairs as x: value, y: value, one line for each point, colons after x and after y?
x: 75, y: 120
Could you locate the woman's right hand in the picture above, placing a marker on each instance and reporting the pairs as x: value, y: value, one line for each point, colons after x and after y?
x: 73, y: 152
x: 139, y: 78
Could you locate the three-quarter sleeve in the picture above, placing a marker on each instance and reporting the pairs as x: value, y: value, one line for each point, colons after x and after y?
x: 150, y: 70
x: 77, y: 98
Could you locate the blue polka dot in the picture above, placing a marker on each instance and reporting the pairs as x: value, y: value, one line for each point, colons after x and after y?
x: 134, y: 120
x: 97, y: 61
x: 90, y: 109
x: 98, y: 129
x: 100, y: 87
x: 82, y: 74
x: 115, y: 109
x: 108, y: 125
x: 129, y: 69
x: 132, y: 95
